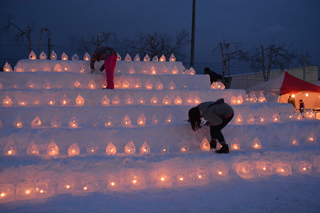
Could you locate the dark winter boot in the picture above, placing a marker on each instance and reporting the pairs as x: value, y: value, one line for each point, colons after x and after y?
x: 224, y: 149
x: 213, y: 144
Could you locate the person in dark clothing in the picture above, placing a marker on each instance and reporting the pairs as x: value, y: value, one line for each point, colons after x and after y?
x: 301, y: 106
x: 213, y: 76
x: 292, y: 101
x: 216, y: 115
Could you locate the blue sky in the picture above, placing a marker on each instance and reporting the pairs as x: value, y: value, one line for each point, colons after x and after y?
x: 249, y: 22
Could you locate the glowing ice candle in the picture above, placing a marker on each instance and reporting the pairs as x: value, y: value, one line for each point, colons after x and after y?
x: 166, y: 100
x: 23, y: 103
x: 233, y: 100
x: 238, y: 119
x: 148, y: 85
x: 153, y: 71
x: 214, y: 85
x: 311, y: 139
x: 155, y: 58
x: 144, y: 149
x: 55, y: 122
x: 235, y: 144
x: 262, y: 120
x: 265, y: 168
x: 105, y: 101
x: 79, y: 100
x: 46, y: 68
x: 7, y: 102
x: 163, y: 179
x: 87, y: 57
x: 141, y: 100
x: 137, y: 181
x: 192, y: 71
x: 51, y: 101
x: 128, y: 99
x: 92, y: 148
x: 116, y: 100
x: 178, y: 100
x: 46, y: 84
x: 175, y: 71
x: 7, y: 67
x: 197, y: 100
x: 114, y: 182
x: 18, y: 123
x: 52, y: 149
x: 32, y: 149
x: 57, y: 68
x: 92, y: 85
x: 154, y: 100
x: 126, y: 122
x: 169, y: 119
x: 141, y: 120
x: 183, y: 146
x: 130, y: 148
x: 146, y: 58
x: 239, y: 100
x: 154, y: 120
x: 283, y: 168
x: 132, y: 70
x: 245, y: 169
x: 10, y: 149
x: 303, y: 167
x: 74, y: 123
x: 261, y: 98
x: 7, y: 193
x: 36, y: 123
x: 137, y: 85
x: 30, y: 85
x: 108, y: 122
x: 111, y: 149
x: 275, y: 118
x: 256, y: 144
x: 172, y: 58
x: 44, y: 188
x: 205, y: 145
x: 64, y: 100
x: 172, y: 86
x: 162, y: 58
x: 18, y: 68
x: 128, y: 57
x: 202, y: 174
x: 74, y: 150
x: 294, y: 140
x: 125, y: 84
x: 159, y: 86
x: 32, y: 56
x: 64, y: 57
x: 53, y: 56
x: 250, y: 119
x: 25, y: 191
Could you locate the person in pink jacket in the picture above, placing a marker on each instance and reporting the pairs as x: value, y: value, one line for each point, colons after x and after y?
x: 216, y: 115
x: 109, y: 56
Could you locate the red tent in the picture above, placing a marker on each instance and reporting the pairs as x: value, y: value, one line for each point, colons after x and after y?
x: 285, y: 83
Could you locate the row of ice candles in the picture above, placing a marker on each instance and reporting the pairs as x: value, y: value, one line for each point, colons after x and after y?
x: 117, y: 85
x: 86, y: 57
x: 136, y: 179
x: 74, y: 123
x: 64, y: 67
x: 105, y: 101
x: 129, y: 149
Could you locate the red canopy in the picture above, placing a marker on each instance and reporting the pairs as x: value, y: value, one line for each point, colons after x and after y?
x: 292, y: 84
x: 285, y: 83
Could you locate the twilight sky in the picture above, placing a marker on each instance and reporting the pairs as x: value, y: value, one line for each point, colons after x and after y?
x: 249, y: 22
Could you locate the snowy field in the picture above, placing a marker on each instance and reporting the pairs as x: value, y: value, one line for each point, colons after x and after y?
x: 68, y: 146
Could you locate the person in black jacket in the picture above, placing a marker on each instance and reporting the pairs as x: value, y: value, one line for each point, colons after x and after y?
x: 213, y: 76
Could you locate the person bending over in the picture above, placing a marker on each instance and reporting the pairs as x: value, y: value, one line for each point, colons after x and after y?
x: 109, y: 56
x: 216, y: 115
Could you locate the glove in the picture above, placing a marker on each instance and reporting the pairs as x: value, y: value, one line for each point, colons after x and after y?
x: 92, y: 70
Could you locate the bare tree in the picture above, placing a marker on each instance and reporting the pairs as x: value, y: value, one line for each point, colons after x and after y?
x: 271, y: 57
x: 41, y: 33
x: 90, y: 44
x: 157, y: 44
x: 20, y: 35
x: 227, y: 54
x: 303, y: 59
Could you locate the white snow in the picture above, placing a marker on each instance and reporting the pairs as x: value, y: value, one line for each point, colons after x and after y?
x: 88, y: 176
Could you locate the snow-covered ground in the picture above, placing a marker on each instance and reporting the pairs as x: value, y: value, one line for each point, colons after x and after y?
x: 60, y: 153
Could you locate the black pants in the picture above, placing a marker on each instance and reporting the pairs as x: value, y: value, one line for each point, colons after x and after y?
x: 215, y: 131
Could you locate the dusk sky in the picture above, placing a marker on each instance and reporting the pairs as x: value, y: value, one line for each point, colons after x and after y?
x: 249, y: 22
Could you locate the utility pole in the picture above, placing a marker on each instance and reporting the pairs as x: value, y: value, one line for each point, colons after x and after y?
x: 193, y: 33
